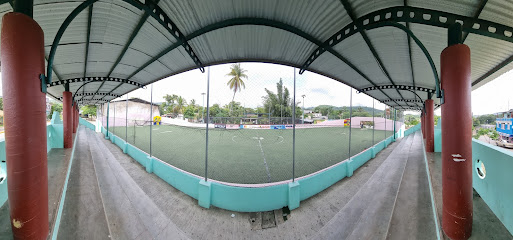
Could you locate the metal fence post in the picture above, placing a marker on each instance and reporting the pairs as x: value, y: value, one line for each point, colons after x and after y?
x: 151, y: 115
x: 294, y: 131
x: 350, y: 118
x: 114, y: 118
x: 373, y: 123
x: 126, y: 120
x: 208, y: 120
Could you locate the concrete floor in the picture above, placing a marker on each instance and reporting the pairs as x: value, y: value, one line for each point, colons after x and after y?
x: 111, y: 196
x: 58, y: 162
x: 138, y: 205
x: 485, y: 224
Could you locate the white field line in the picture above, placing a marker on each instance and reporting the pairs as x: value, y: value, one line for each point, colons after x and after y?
x: 263, y: 155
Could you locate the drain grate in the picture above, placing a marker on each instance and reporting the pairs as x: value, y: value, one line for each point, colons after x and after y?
x: 270, y: 219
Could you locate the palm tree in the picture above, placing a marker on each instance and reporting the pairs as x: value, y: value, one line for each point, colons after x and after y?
x: 236, y: 83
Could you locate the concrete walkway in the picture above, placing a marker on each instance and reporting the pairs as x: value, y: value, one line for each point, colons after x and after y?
x: 485, y: 224
x: 112, y: 196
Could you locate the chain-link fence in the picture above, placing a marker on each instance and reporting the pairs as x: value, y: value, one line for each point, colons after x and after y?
x: 273, y: 126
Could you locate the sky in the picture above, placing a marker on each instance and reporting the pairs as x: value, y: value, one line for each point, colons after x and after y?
x: 318, y: 90
x: 493, y: 97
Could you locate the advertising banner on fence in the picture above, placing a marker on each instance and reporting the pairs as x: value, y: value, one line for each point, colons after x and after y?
x: 254, y: 126
x: 220, y: 126
x: 232, y: 126
x: 278, y: 126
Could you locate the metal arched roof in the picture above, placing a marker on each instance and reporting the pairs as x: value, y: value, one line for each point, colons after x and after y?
x: 388, y: 49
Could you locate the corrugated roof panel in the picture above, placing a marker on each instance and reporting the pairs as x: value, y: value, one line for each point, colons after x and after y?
x: 435, y: 41
x: 101, y: 58
x: 177, y: 60
x: 391, y: 44
x: 150, y: 40
x: 144, y: 76
x: 135, y: 58
x: 363, y: 7
x: 356, y: 51
x: 91, y: 87
x: 321, y: 18
x: 157, y: 70
x: 499, y: 11
x: 51, y: 16
x: 69, y: 70
x: 486, y: 53
x: 461, y: 7
x: 252, y: 43
x: 327, y: 62
x: 113, y: 22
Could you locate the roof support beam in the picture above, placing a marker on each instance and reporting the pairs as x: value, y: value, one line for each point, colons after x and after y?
x: 130, y: 40
x: 349, y: 10
x: 94, y: 79
x: 476, y: 16
x: 415, y: 15
x: 89, y: 19
x: 493, y: 70
x: 148, y: 6
x: 257, y: 22
x: 409, y: 51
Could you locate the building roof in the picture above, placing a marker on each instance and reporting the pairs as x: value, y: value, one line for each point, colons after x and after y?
x: 381, y: 48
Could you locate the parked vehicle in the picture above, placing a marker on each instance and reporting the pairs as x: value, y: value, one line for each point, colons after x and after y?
x: 504, y: 143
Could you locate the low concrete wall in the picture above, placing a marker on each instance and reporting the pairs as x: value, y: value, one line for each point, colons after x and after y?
x: 252, y: 198
x: 496, y: 188
x: 54, y: 139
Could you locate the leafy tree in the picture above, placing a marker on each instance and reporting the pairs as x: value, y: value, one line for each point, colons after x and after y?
x: 475, y: 122
x: 279, y: 102
x: 90, y: 110
x: 169, y: 104
x: 57, y: 107
x: 189, y: 112
x: 237, y: 74
x: 1, y: 103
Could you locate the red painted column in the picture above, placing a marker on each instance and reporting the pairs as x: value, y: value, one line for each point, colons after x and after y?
x: 74, y: 117
x: 457, y: 142
x: 430, y: 125
x: 22, y: 48
x: 67, y: 119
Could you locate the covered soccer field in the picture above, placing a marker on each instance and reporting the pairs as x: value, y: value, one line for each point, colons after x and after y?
x: 250, y: 156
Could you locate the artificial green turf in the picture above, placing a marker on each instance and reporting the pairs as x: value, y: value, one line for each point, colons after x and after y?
x: 237, y: 156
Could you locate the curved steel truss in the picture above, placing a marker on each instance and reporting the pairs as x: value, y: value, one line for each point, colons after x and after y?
x: 94, y: 79
x: 400, y: 87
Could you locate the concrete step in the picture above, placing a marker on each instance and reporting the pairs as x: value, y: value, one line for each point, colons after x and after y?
x: 83, y: 215
x: 413, y: 216
x: 131, y: 213
x: 367, y: 215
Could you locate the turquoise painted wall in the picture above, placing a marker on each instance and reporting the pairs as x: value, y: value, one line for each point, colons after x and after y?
x: 496, y: 189
x: 251, y: 199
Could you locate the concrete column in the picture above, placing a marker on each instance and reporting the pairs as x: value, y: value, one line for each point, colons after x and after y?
x: 430, y: 126
x: 74, y: 113
x: 67, y: 119
x: 23, y: 60
x: 456, y: 139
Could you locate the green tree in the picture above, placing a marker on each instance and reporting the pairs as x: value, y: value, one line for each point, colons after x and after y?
x: 279, y: 102
x: 181, y: 103
x: 90, y: 110
x: 57, y: 107
x: 189, y: 112
x: 237, y: 74
x: 1, y: 103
